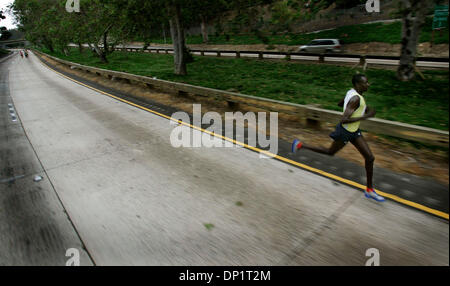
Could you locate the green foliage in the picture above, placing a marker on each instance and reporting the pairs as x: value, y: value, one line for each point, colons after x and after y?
x: 4, y: 34
x: 3, y: 53
x: 440, y: 37
x: 345, y: 4
x: 263, y: 38
x: 363, y: 33
x: 282, y: 15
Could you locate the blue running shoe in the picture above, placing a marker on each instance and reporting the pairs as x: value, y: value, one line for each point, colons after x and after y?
x: 374, y: 195
x: 296, y: 145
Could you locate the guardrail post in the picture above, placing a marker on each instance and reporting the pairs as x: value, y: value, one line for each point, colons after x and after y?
x: 218, y: 53
x: 288, y: 56
x: 233, y: 105
x: 238, y: 55
x: 312, y: 123
x: 202, y: 53
x: 157, y: 51
x: 313, y: 119
x: 321, y: 58
x: 167, y: 51
x: 182, y: 93
x: 362, y: 61
x: 260, y: 55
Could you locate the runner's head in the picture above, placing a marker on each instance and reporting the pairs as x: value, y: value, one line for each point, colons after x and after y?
x: 360, y: 83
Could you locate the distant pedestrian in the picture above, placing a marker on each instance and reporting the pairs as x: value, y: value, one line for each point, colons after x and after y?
x: 355, y: 110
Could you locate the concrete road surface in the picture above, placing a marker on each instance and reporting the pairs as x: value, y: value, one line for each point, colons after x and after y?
x: 115, y: 190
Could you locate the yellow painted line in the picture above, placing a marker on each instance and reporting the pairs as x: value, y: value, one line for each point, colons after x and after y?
x: 303, y: 166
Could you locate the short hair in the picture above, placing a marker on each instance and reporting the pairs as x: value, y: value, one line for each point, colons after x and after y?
x: 357, y: 78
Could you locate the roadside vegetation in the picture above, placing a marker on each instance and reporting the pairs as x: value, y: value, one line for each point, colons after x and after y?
x: 416, y: 102
x: 47, y: 24
x: 3, y: 53
x: 363, y: 33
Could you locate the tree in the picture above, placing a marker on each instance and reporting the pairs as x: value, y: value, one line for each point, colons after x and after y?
x: 35, y: 18
x: 98, y: 19
x: 145, y: 19
x: 4, y: 34
x: 204, y: 11
x: 178, y: 38
x: 413, y: 14
x: 103, y: 24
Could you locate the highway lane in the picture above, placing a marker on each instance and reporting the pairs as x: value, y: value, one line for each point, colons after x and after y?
x: 133, y: 199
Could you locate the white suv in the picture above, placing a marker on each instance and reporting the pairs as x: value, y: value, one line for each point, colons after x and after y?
x: 322, y: 46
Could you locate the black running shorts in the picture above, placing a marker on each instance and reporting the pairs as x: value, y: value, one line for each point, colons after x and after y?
x: 342, y: 134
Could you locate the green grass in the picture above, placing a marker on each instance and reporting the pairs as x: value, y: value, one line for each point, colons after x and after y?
x: 416, y: 102
x: 363, y: 33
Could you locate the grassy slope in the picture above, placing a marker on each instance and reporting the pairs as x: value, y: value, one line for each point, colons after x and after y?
x: 417, y: 102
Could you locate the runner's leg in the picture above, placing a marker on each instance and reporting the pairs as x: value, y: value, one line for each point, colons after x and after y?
x: 334, y: 148
x: 364, y: 149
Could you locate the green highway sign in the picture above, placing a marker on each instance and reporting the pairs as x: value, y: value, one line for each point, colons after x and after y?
x: 440, y: 17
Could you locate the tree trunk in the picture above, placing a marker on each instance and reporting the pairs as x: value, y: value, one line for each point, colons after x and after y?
x: 50, y: 47
x: 177, y: 33
x: 105, y: 43
x: 164, y: 33
x: 100, y: 53
x: 146, y: 45
x: 410, y: 35
x: 48, y: 44
x: 204, y: 30
x: 80, y: 47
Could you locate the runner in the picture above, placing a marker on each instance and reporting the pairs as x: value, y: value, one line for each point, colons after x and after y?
x: 26, y: 53
x: 348, y: 130
x: 21, y: 54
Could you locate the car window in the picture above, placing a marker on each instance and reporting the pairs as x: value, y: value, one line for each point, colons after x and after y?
x: 314, y: 43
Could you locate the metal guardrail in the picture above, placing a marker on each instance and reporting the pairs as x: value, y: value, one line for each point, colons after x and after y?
x: 375, y: 125
x: 12, y: 41
x: 287, y: 55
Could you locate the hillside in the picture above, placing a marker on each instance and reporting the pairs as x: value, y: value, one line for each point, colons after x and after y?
x: 296, y: 16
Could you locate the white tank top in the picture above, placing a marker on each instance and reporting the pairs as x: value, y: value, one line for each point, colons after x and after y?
x: 352, y: 92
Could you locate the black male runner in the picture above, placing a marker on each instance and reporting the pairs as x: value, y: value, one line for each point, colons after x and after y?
x: 348, y: 130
